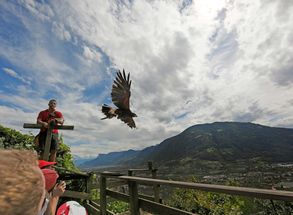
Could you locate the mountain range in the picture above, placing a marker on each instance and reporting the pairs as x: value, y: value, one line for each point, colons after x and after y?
x: 211, y: 146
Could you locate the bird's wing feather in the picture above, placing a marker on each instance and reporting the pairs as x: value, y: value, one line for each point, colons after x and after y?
x: 128, y: 120
x: 121, y: 90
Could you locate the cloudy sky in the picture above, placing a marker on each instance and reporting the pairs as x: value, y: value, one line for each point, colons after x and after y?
x: 191, y: 62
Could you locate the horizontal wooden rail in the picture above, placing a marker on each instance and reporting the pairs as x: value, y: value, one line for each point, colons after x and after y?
x: 118, y: 195
x: 139, y: 170
x: 116, y: 183
x: 148, y: 205
x: 158, y: 208
x: 125, y: 198
x: 111, y: 174
x: 63, y: 127
x: 241, y: 191
x: 97, y: 207
x: 95, y: 204
x: 93, y: 207
x: 75, y: 194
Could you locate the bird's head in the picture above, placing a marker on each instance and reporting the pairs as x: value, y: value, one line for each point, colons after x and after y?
x: 133, y: 115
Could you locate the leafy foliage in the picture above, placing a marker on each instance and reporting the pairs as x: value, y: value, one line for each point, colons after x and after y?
x: 64, y: 156
x: 208, y: 203
x: 273, y: 207
x: 205, y: 202
x: 12, y: 139
x: 117, y: 206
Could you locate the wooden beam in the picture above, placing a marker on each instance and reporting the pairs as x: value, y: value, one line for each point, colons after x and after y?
x: 62, y: 127
x: 156, y: 187
x: 93, y: 207
x: 116, y: 183
x: 241, y: 191
x: 47, y: 144
x: 118, y: 195
x: 125, y: 198
x: 139, y: 170
x: 133, y: 199
x: 98, y: 207
x: 109, y: 174
x: 95, y: 204
x: 154, y: 207
x: 77, y: 195
x: 103, y: 195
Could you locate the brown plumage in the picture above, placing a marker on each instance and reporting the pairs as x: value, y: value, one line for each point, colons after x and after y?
x: 120, y: 97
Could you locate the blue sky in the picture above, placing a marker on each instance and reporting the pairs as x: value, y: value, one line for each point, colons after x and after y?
x: 191, y: 62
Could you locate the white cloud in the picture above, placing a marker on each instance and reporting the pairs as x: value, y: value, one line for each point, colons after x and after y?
x: 208, y: 61
x: 60, y: 31
x: 91, y: 54
x: 14, y: 74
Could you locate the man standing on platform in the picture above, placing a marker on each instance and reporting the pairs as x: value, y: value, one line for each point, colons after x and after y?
x: 46, y: 118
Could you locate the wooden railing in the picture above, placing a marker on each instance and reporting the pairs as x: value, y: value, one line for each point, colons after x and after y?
x: 136, y: 202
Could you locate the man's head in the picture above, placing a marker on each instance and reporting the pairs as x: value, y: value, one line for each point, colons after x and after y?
x: 52, y: 104
x: 22, y: 186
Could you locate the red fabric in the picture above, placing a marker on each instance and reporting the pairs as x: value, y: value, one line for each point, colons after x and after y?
x: 63, y: 209
x: 43, y: 163
x: 50, y: 178
x: 45, y: 117
x: 71, y: 208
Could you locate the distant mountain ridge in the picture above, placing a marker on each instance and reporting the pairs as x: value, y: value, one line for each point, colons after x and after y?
x: 110, y: 159
x: 222, y: 142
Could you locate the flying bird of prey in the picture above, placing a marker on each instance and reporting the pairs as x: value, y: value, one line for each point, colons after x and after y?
x: 120, y: 97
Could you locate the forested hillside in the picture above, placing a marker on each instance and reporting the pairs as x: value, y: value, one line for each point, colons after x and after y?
x: 207, y: 145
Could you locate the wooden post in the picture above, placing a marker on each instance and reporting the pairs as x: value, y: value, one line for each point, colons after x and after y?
x: 89, y: 182
x: 103, y: 196
x: 48, y: 143
x: 156, y: 186
x: 133, y: 199
x: 150, y: 165
x: 130, y: 173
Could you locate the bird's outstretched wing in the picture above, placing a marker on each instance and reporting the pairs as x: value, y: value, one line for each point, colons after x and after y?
x: 121, y: 90
x: 128, y: 120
